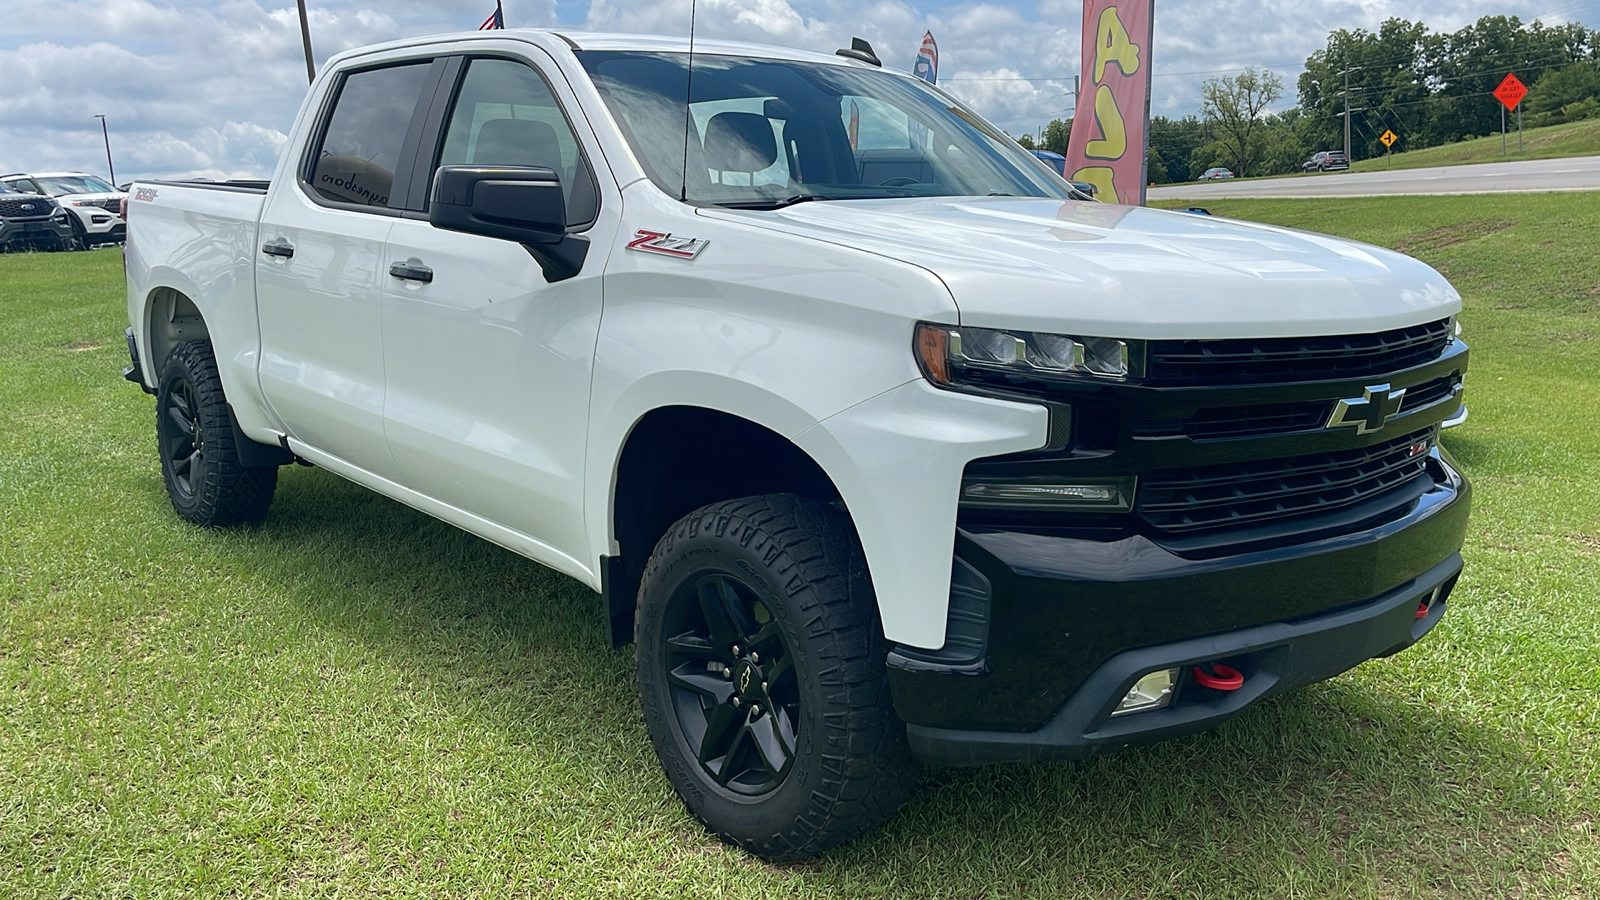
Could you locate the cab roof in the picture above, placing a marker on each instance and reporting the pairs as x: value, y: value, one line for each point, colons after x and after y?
x: 589, y: 40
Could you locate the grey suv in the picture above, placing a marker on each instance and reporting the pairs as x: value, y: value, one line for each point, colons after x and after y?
x: 33, y: 221
x: 1326, y: 161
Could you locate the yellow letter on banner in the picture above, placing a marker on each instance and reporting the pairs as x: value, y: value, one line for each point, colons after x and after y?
x: 1112, y: 45
x: 1115, y: 132
x: 1100, y: 177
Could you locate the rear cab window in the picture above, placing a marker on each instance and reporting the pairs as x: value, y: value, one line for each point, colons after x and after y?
x: 364, y: 136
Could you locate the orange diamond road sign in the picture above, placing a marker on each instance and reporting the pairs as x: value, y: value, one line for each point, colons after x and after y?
x: 1511, y: 91
x: 1389, y: 138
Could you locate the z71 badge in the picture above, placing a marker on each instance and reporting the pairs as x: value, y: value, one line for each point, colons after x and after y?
x: 667, y: 244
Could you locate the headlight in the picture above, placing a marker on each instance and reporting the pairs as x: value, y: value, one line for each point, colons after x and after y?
x: 944, y: 351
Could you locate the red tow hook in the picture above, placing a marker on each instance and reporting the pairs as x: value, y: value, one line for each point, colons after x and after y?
x: 1221, y: 677
x: 1422, y: 610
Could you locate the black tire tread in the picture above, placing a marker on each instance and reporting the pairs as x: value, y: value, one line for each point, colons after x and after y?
x: 868, y: 769
x: 232, y: 494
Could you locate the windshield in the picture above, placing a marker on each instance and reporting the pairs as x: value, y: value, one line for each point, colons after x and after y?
x: 772, y: 132
x: 74, y: 184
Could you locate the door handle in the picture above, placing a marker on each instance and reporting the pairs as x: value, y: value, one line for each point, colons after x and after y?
x: 278, y: 247
x: 412, y: 272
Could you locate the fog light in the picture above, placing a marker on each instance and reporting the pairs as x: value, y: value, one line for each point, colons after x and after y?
x: 1153, y: 691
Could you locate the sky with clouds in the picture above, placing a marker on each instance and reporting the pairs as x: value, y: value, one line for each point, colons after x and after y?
x: 208, y: 87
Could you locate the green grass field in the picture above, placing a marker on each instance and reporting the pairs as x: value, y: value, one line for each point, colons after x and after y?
x: 1552, y: 141
x: 353, y: 700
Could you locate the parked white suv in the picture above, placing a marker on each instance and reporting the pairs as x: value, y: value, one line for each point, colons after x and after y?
x: 94, y: 203
x: 877, y: 440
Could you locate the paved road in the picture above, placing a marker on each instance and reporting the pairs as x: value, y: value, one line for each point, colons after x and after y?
x: 1522, y: 176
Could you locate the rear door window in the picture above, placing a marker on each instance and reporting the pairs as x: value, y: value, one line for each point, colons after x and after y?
x: 362, y: 143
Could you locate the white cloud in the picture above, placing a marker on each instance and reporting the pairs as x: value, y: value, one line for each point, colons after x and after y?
x: 192, y: 87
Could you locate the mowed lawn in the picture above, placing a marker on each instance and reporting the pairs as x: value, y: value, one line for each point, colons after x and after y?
x: 353, y: 700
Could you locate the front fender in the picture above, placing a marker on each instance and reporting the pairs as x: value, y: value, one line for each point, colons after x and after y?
x: 897, y: 461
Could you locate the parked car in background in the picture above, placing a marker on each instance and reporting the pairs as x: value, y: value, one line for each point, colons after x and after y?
x: 92, y: 201
x: 1216, y: 174
x: 1326, y: 161
x: 1058, y: 164
x: 33, y: 222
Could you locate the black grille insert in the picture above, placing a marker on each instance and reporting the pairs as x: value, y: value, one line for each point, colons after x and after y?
x: 1266, y: 360
x: 26, y: 207
x: 1243, y: 495
x: 1281, y: 418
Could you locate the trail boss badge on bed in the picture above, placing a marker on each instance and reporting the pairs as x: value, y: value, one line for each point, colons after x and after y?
x: 1369, y: 412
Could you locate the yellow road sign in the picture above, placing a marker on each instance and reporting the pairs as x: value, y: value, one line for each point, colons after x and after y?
x: 1389, y: 138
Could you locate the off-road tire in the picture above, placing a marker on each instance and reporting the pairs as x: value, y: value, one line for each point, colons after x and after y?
x: 851, y: 767
x: 199, y: 460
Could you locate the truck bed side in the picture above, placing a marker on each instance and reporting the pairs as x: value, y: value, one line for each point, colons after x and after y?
x: 190, y: 263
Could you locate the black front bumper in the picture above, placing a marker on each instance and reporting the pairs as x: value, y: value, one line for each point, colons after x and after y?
x: 1073, y: 623
x: 35, y: 233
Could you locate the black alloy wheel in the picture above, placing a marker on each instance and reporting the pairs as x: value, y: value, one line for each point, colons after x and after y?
x: 206, y: 481
x: 760, y: 664
x: 183, y: 439
x: 733, y: 683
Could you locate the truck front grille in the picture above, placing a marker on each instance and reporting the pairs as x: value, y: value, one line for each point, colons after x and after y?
x: 1211, y: 499
x: 1279, y: 418
x: 25, y: 207
x: 1273, y: 360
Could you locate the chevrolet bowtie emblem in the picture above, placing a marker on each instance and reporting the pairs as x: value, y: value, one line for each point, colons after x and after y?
x: 1368, y: 412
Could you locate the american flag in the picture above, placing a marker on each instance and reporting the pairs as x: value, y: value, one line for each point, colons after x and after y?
x: 496, y: 20
x: 927, y: 65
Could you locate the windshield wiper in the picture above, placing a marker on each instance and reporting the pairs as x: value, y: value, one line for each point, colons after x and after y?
x: 775, y: 203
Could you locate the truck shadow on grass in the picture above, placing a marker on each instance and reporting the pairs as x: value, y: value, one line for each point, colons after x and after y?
x: 1349, y: 787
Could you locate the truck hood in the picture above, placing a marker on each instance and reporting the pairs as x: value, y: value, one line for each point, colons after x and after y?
x: 1120, y: 271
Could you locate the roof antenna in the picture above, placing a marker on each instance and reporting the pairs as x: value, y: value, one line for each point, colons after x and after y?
x: 688, y: 94
x: 859, y: 49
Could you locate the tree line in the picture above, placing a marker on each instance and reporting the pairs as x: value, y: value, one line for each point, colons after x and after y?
x: 1427, y: 87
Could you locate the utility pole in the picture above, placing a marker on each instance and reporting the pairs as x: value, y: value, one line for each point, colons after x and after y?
x: 107, y: 135
x: 305, y: 38
x: 1347, y: 111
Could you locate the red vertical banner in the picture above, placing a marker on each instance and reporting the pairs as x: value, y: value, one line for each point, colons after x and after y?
x: 1111, y: 126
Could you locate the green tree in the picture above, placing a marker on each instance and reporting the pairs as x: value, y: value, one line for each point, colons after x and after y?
x: 1206, y: 156
x: 1387, y: 87
x: 1235, y: 107
x: 1155, y: 169
x: 1026, y: 141
x: 1176, y: 140
x: 1285, y: 142
x: 1429, y: 88
x: 1056, y: 135
x: 1557, y: 91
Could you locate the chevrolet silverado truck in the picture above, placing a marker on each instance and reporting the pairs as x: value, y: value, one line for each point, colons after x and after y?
x: 880, y: 446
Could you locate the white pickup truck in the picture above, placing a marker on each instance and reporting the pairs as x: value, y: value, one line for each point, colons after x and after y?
x: 879, y: 442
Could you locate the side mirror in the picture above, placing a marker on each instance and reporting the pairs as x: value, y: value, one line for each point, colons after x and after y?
x: 515, y: 203
x: 521, y: 204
